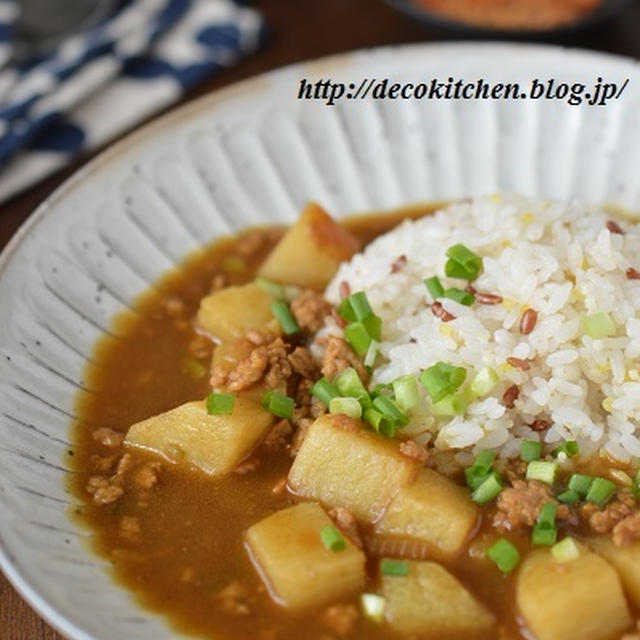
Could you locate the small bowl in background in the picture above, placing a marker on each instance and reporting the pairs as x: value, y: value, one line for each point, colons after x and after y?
x: 429, y: 18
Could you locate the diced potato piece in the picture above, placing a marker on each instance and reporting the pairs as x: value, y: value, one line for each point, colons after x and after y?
x: 233, y: 311
x: 430, y: 600
x: 343, y: 465
x: 299, y: 570
x: 566, y: 600
x: 215, y: 443
x: 433, y: 510
x: 625, y: 560
x: 311, y: 251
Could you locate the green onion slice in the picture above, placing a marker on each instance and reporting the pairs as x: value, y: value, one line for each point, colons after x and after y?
x: 280, y: 310
x: 406, y: 392
x: 347, y: 406
x: 505, y: 555
x: 570, y: 448
x: 462, y: 263
x: 434, y: 287
x: 580, y: 483
x: 599, y: 325
x: 566, y: 550
x: 569, y: 497
x: 390, y: 410
x: 380, y: 423
x: 488, y: 490
x: 453, y: 405
x: 276, y: 291
x: 484, y: 382
x: 442, y: 379
x: 531, y: 450
x: 601, y: 491
x: 389, y: 567
x: 324, y: 391
x: 358, y: 337
x: 348, y: 384
x: 542, y: 470
x: 220, y: 403
x: 635, y: 487
x: 278, y: 404
x: 332, y: 538
x: 544, y: 536
x: 477, y: 473
x: 460, y: 295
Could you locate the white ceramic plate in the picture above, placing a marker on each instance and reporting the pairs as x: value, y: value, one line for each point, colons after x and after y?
x: 253, y: 154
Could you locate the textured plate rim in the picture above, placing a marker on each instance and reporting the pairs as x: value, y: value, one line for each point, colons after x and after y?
x: 166, y: 122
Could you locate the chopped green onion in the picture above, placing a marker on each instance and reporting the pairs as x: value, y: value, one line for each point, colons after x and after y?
x: 566, y: 550
x: 484, y: 381
x: 462, y: 263
x: 547, y: 515
x: 531, y: 450
x: 434, y: 287
x: 358, y: 337
x: 346, y: 311
x: 278, y: 404
x: 570, y: 448
x: 373, y: 606
x: 635, y: 487
x: 382, y: 389
x: 454, y: 405
x: 324, y: 391
x: 475, y: 480
x: 332, y: 538
x: 542, y: 470
x: 360, y: 305
x: 442, y: 379
x: 280, y: 310
x: 406, y: 392
x: 348, y: 406
x: 600, y: 491
x: 569, y: 497
x: 390, y: 567
x: 488, y: 490
x: 276, y: 291
x: 220, y: 403
x: 580, y: 483
x: 349, y: 384
x: 544, y: 536
x: 599, y: 325
x: 372, y: 354
x: 477, y: 473
x: 380, y: 423
x: 373, y: 325
x: 505, y: 555
x: 390, y: 410
x: 460, y: 295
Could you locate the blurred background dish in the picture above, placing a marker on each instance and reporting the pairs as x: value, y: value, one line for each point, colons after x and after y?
x: 524, y: 19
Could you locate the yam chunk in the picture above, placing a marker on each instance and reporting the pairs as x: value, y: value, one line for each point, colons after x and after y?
x: 311, y: 251
x: 625, y: 560
x: 565, y: 600
x: 434, y: 511
x: 343, y: 465
x: 430, y: 600
x: 233, y: 311
x: 294, y: 562
x: 215, y: 444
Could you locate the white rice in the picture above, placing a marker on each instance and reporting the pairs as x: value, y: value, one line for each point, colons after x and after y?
x: 560, y: 260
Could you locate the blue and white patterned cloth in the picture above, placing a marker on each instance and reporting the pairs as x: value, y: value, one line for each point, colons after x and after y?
x: 102, y: 82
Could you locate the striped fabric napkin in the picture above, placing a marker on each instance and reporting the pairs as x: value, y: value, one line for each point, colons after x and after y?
x: 101, y: 82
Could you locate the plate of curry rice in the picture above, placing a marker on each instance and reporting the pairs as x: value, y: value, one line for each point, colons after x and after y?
x: 274, y: 369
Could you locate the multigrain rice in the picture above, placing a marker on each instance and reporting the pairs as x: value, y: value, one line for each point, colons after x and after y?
x: 546, y: 266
